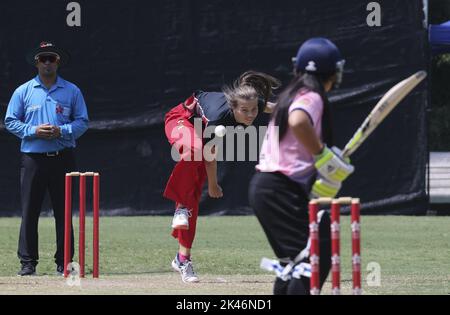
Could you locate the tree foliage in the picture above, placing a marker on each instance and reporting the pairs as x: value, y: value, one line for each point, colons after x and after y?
x: 439, y: 119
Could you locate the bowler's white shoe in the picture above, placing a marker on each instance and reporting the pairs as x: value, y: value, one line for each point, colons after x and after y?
x: 186, y: 270
x: 180, y: 219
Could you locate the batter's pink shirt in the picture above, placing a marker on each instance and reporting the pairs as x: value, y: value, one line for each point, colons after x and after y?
x: 289, y: 156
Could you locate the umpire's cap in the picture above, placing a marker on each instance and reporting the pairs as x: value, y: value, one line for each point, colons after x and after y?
x: 48, y: 48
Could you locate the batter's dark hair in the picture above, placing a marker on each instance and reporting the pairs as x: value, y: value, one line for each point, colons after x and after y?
x: 308, y: 82
x: 251, y: 85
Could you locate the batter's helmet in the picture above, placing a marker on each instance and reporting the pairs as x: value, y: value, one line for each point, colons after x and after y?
x: 321, y: 56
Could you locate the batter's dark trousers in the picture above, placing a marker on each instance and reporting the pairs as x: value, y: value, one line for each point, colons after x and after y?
x: 281, y: 206
x: 40, y: 173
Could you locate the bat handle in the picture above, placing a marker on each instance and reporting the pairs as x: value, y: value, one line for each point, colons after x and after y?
x: 345, y: 153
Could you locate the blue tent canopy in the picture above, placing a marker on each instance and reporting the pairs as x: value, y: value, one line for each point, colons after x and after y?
x: 439, y: 36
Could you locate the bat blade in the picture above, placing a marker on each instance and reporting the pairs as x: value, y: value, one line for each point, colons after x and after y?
x: 384, y: 106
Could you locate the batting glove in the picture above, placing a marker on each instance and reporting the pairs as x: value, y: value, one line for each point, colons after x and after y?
x: 325, y: 188
x: 331, y: 166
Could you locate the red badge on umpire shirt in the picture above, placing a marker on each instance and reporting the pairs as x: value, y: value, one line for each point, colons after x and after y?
x: 59, y: 109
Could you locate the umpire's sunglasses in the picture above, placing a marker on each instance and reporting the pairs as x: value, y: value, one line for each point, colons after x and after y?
x: 45, y: 58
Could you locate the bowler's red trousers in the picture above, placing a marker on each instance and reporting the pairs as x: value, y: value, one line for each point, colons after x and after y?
x: 188, y: 176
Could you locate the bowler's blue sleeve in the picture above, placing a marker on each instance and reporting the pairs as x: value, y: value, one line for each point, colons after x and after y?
x: 79, y: 125
x: 14, y: 118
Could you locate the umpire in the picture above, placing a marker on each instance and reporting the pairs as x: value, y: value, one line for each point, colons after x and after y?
x: 48, y: 114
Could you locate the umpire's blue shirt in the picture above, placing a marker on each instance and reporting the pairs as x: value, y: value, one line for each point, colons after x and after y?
x: 32, y: 104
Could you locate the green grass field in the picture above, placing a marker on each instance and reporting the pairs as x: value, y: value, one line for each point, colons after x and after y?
x: 135, y: 254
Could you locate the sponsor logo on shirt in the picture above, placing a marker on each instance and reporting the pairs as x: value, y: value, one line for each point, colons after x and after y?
x: 59, y: 109
x: 303, y: 102
x: 34, y: 108
x: 64, y: 110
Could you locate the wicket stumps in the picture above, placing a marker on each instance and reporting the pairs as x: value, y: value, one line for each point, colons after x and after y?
x: 68, y: 221
x: 335, y: 243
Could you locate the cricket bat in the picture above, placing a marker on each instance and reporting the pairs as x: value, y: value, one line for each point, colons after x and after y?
x: 384, y: 106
